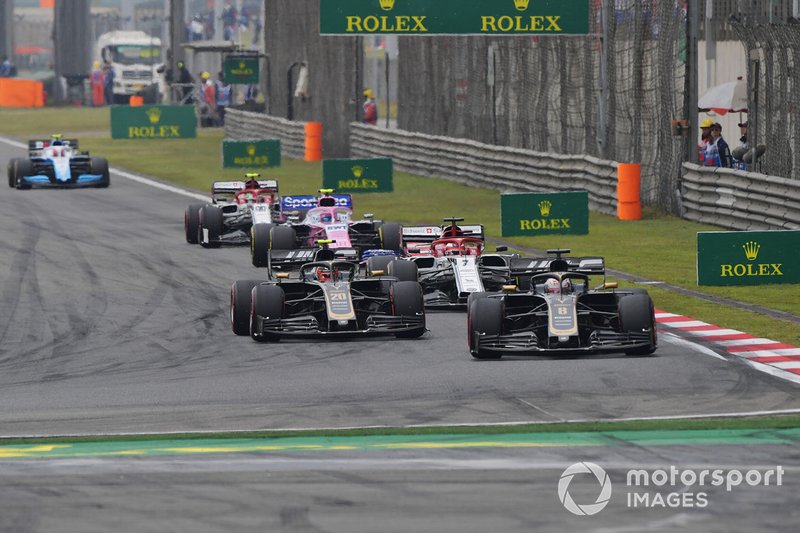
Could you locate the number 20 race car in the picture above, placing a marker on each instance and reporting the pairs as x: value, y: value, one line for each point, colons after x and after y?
x: 559, y: 313
x: 57, y: 163
x: 328, y: 298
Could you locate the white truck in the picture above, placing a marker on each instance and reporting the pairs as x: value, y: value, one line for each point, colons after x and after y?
x: 135, y: 58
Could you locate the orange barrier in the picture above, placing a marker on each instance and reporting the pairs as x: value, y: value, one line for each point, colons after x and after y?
x: 15, y: 92
x: 629, y: 203
x: 313, y: 141
x: 50, y: 4
x: 136, y: 101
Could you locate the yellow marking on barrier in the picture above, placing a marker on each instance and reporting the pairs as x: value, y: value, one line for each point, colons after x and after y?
x: 28, y: 450
x: 477, y: 444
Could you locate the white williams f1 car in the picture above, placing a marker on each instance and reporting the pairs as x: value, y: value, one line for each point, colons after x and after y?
x: 57, y: 163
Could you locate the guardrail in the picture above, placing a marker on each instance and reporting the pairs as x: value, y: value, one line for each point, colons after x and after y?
x: 739, y: 200
x: 496, y: 167
x: 244, y: 125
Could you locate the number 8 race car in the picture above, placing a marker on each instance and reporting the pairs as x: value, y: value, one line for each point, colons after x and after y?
x: 57, y: 163
x: 558, y: 313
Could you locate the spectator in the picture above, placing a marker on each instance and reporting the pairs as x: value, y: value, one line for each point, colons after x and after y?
x: 209, y: 99
x: 97, y: 78
x: 6, y: 69
x: 718, y: 154
x: 705, y: 137
x: 223, y: 97
x: 186, y: 81
x: 370, y: 108
x: 108, y: 83
x: 739, y: 151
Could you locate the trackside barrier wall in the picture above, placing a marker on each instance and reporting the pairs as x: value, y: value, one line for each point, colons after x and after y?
x: 486, y: 165
x: 245, y: 125
x: 739, y: 200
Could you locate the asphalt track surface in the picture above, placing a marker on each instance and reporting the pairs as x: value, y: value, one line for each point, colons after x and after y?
x: 111, y: 323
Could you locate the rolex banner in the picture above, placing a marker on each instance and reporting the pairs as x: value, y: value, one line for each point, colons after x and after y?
x: 153, y: 122
x: 555, y: 213
x: 260, y: 153
x: 357, y: 175
x: 454, y: 17
x: 748, y: 257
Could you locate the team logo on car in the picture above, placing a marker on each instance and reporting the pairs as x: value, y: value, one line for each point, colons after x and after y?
x: 544, y: 207
x: 154, y: 114
x: 387, y: 5
x: 751, y: 249
x: 521, y: 5
x: 358, y: 171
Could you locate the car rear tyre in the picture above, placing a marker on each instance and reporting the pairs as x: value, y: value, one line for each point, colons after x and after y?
x: 267, y: 302
x: 484, y: 316
x: 283, y: 238
x: 191, y: 221
x: 403, y: 270
x: 391, y: 235
x: 209, y: 227
x: 241, y: 292
x: 636, y: 315
x: 260, y: 243
x: 406, y: 297
x: 100, y: 166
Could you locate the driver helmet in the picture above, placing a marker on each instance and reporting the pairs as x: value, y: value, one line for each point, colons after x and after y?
x: 325, y: 274
x: 566, y: 286
x: 451, y: 249
x: 552, y: 286
x: 326, y: 217
x: 56, y: 140
x: 251, y: 180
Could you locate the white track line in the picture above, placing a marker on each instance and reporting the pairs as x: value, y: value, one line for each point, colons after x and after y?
x: 133, y: 177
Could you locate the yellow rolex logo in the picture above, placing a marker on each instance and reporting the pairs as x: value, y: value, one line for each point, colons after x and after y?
x: 358, y: 171
x: 251, y: 150
x: 387, y: 5
x: 154, y: 114
x: 544, y: 207
x: 242, y: 64
x: 521, y: 5
x: 751, y: 249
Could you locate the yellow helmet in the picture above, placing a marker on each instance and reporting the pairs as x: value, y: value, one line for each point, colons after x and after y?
x: 205, y: 75
x: 707, y: 123
x: 368, y: 93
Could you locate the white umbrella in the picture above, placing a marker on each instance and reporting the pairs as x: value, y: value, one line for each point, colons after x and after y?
x: 730, y: 96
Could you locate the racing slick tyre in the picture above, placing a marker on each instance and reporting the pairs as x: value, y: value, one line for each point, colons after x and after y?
x: 485, y: 316
x: 100, y: 166
x: 268, y: 302
x: 283, y: 238
x: 636, y: 315
x: 209, y: 227
x: 11, y: 170
x: 406, y: 297
x: 379, y: 262
x: 241, y: 292
x: 260, y: 244
x: 391, y: 235
x: 23, y: 168
x: 191, y: 221
x: 403, y: 270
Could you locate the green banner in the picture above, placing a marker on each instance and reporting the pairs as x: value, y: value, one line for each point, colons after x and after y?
x: 241, y: 69
x: 153, y: 122
x: 357, y: 175
x: 259, y: 153
x: 555, y: 213
x: 748, y: 257
x: 454, y: 17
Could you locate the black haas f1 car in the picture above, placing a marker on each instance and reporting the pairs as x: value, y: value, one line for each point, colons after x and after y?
x: 559, y: 314
x: 327, y: 217
x: 57, y: 163
x: 235, y: 207
x: 327, y: 298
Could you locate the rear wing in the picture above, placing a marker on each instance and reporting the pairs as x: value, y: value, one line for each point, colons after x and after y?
x: 299, y: 204
x: 224, y: 190
x: 290, y: 260
x: 591, y: 266
x: 432, y: 233
x: 36, y: 145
